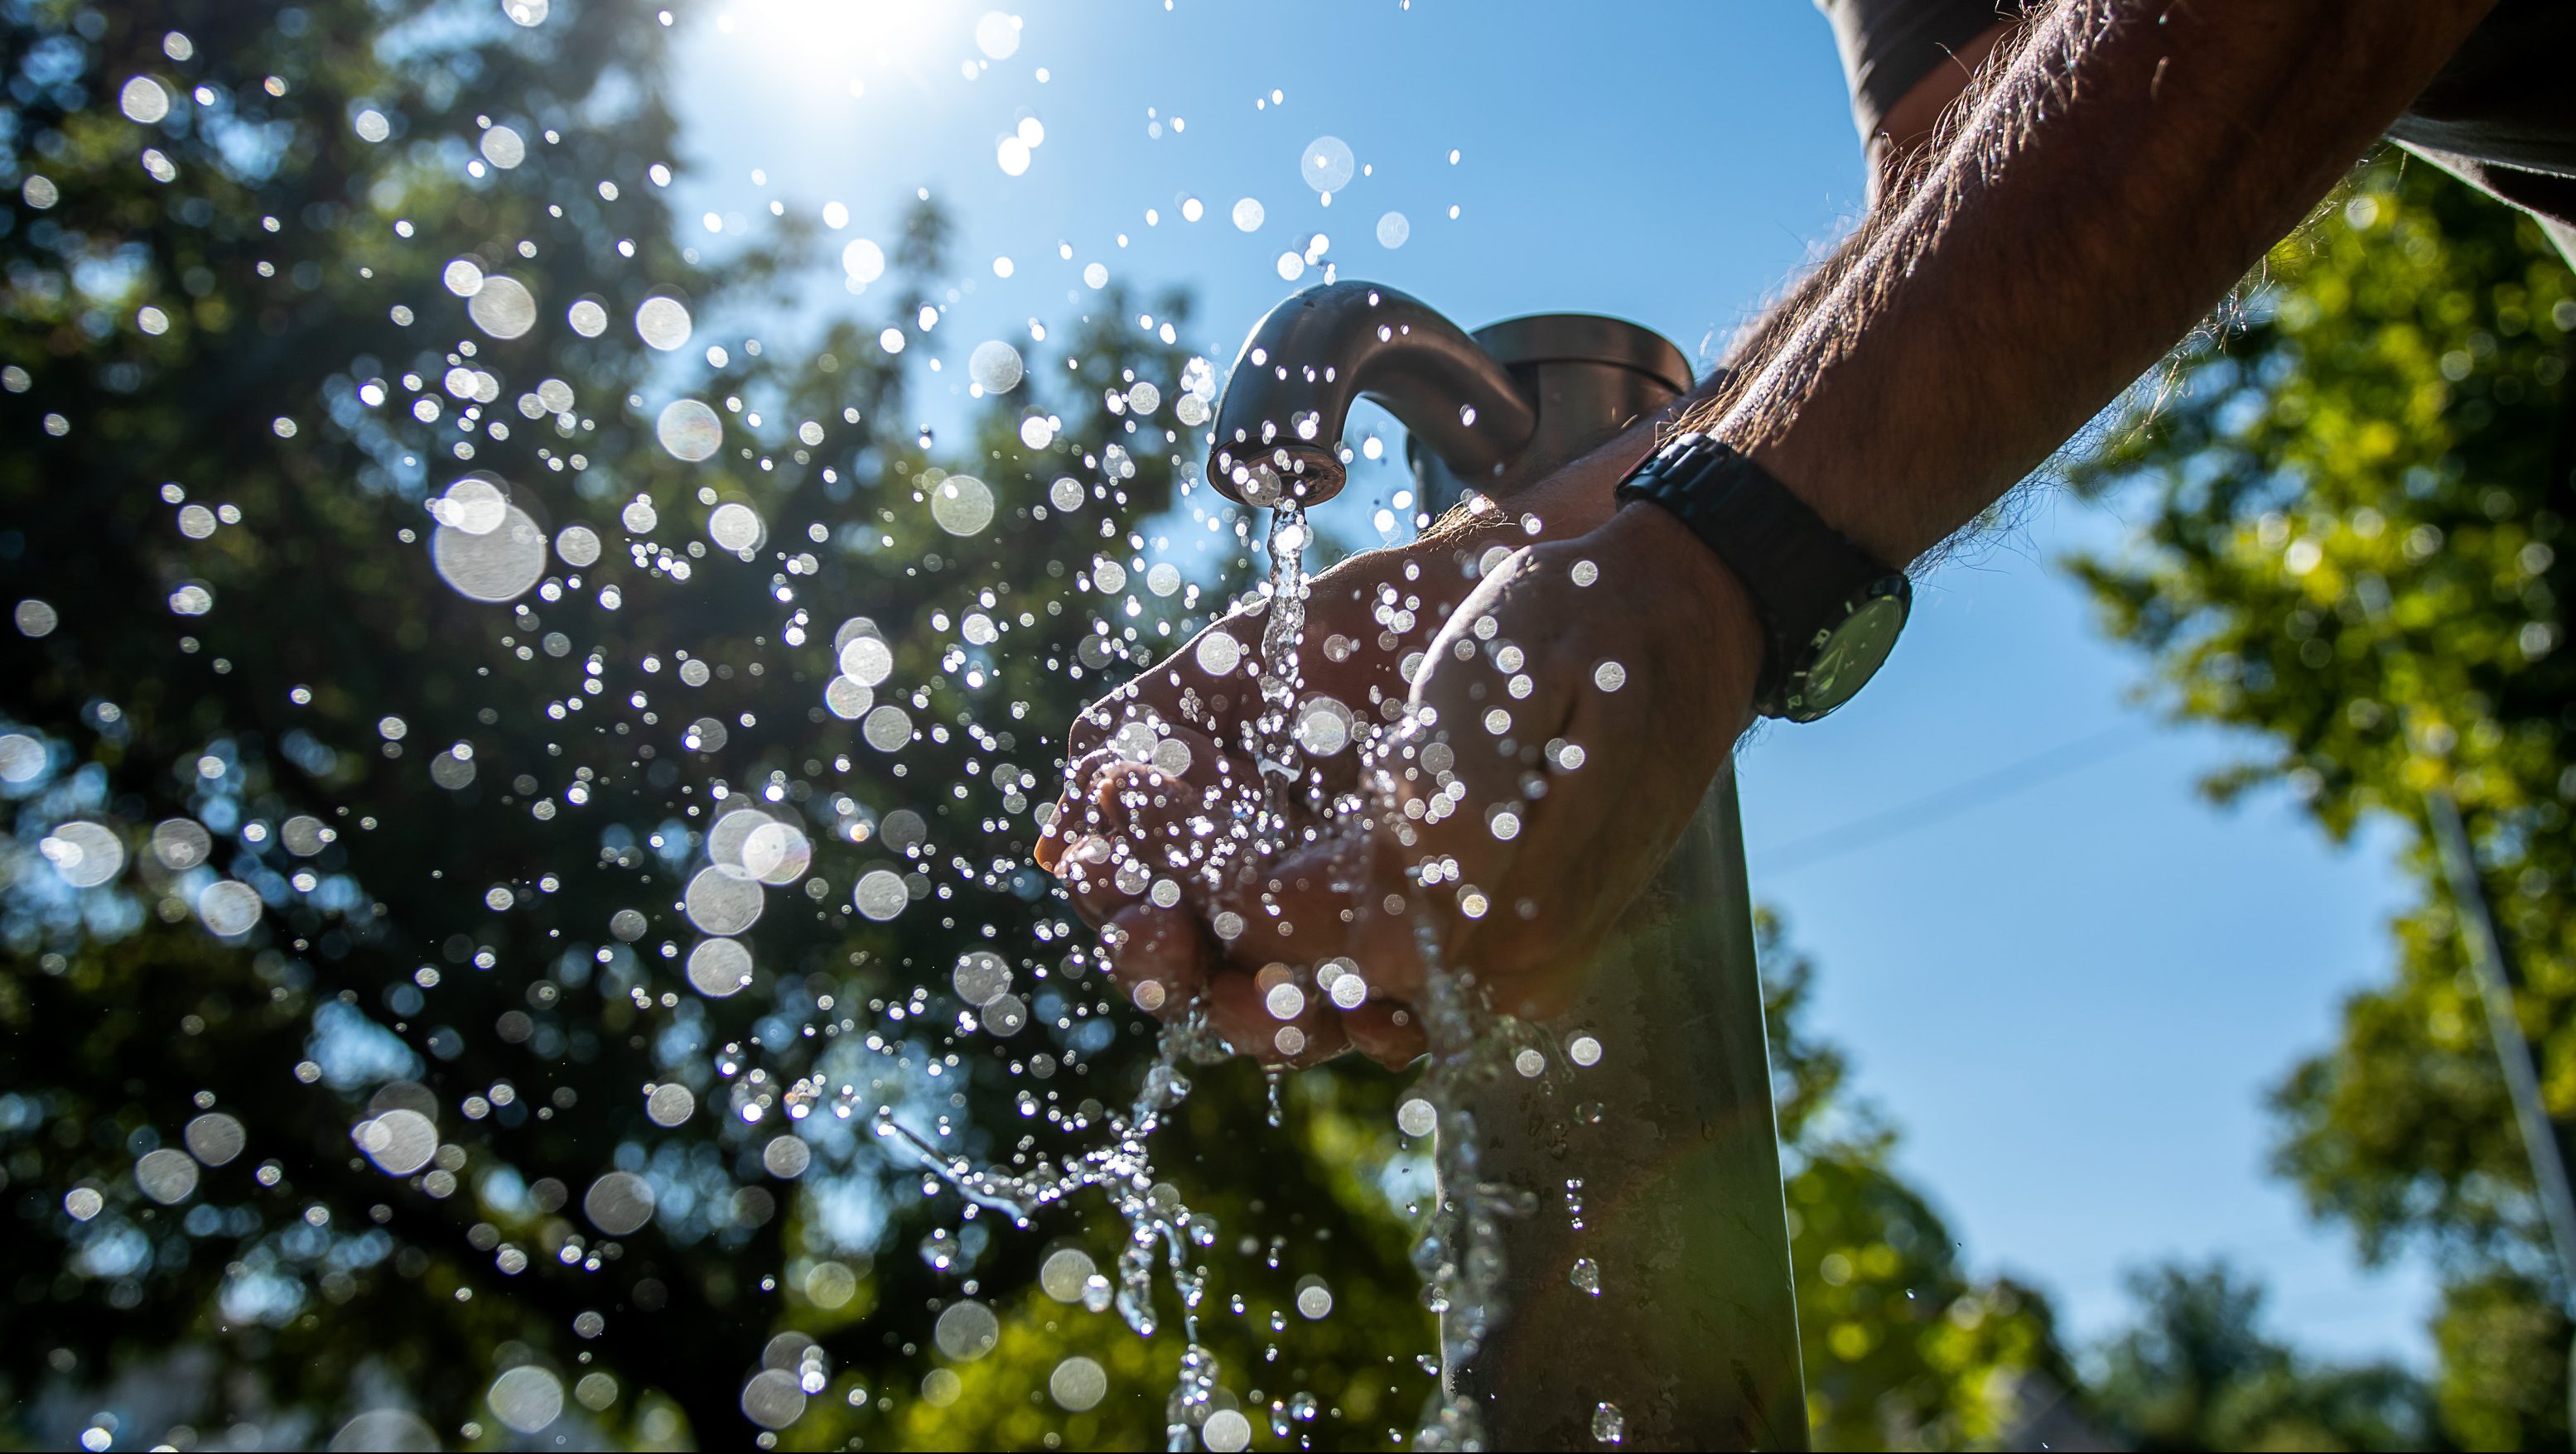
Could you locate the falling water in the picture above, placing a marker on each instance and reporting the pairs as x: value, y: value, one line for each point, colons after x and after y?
x: 1459, y: 1252
x: 1153, y: 1210
x: 1274, y: 728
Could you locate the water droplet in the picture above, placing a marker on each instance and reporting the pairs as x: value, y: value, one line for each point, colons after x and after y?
x: 1065, y: 1274
x: 670, y: 1104
x: 864, y: 261
x: 618, y: 1203
x: 1248, y: 215
x: 966, y: 1330
x: 399, y: 1142
x: 997, y: 34
x: 735, y: 526
x: 719, y: 903
x: 1610, y: 676
x: 166, y: 1176
x: 1586, y: 1275
x: 503, y: 147
x: 215, y: 1138
x: 1078, y: 1383
x: 1416, y: 1117
x: 22, y: 759
x: 719, y: 967
x: 773, y: 1399
x: 786, y: 1157
x: 85, y: 854
x: 880, y: 894
x: 578, y: 545
x: 1226, y: 1431
x: 1327, y: 164
x: 526, y: 1398
x: 1393, y: 229
x: 981, y: 977
x: 1219, y: 654
x: 662, y: 322
x: 962, y: 504
x: 995, y: 367
x: 887, y: 728
x: 1608, y: 1424
x: 689, y: 430
x: 143, y: 100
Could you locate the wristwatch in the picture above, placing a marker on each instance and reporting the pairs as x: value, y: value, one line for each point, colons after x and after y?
x: 1830, y: 611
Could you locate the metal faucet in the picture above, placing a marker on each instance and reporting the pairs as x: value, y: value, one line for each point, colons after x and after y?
x: 1661, y: 1162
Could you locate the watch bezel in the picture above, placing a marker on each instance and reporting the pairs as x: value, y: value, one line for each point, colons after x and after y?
x: 1793, y: 701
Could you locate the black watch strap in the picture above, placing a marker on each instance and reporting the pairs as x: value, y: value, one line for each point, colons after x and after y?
x: 1806, y: 579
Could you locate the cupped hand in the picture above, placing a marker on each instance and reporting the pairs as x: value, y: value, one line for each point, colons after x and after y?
x: 1563, y: 730
x: 1507, y: 755
x: 1169, y: 821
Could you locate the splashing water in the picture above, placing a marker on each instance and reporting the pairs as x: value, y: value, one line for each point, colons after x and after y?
x: 1152, y: 1209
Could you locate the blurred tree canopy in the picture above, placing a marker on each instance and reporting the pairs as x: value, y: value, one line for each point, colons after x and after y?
x: 2359, y: 495
x: 2198, y: 1372
x: 377, y: 1073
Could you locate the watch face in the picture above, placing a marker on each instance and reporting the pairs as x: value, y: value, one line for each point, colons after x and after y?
x: 1850, y: 656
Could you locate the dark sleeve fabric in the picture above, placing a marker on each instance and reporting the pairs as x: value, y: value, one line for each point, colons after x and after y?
x: 1888, y: 45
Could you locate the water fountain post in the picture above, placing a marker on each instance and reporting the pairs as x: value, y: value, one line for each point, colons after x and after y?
x: 1687, y: 1337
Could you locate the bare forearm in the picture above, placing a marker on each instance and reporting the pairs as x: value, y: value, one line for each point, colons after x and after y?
x: 2125, y: 170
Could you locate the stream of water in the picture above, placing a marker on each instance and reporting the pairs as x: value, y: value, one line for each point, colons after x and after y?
x: 1458, y: 1253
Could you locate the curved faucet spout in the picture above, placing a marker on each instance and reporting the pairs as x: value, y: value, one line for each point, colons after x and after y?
x: 1279, y: 428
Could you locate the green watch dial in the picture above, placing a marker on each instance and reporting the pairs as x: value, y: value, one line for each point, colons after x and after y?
x: 1849, y: 655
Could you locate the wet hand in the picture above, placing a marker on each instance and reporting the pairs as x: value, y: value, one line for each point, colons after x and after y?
x: 1566, y: 724
x: 1167, y: 823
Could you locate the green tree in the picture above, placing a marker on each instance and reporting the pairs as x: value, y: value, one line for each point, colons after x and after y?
x: 348, y: 921
x: 2358, y: 493
x: 2198, y: 1372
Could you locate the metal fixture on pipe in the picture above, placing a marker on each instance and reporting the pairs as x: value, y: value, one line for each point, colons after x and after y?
x: 1279, y: 428
x: 1689, y: 1326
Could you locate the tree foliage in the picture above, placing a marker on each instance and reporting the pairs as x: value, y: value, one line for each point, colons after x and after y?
x: 243, y: 376
x: 2198, y: 1372
x: 2358, y: 496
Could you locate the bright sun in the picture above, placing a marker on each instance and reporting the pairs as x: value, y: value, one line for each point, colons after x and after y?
x: 844, y: 39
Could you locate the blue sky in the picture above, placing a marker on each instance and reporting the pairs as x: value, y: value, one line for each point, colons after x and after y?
x: 2072, y: 995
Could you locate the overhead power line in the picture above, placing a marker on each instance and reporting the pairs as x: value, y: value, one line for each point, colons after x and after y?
x: 1949, y: 802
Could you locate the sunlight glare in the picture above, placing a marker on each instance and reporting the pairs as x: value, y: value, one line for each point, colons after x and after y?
x: 834, y: 40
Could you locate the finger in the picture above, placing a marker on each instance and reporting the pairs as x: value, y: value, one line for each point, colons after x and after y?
x: 1331, y: 902
x: 1075, y: 814
x: 1387, y: 1032
x: 1158, y: 957
x: 1246, y: 1010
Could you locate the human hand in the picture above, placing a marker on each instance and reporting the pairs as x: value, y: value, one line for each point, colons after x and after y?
x: 1167, y: 817
x: 1208, y: 893
x: 1569, y: 718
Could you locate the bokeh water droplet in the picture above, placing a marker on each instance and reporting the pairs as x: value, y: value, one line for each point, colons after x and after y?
x: 1327, y: 164
x: 527, y: 1398
x: 689, y: 430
